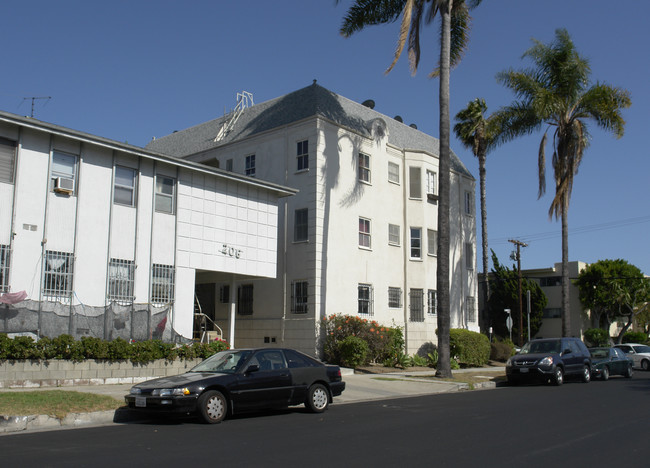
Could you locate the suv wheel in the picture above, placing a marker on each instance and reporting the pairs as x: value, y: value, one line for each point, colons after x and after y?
x: 586, y: 374
x: 558, y: 377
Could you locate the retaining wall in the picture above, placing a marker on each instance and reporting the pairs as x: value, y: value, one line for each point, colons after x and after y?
x: 59, y: 373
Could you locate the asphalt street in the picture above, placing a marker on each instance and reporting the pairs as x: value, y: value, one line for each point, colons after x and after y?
x: 600, y: 424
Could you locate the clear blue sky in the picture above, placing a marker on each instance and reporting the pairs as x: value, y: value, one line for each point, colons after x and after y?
x: 132, y: 70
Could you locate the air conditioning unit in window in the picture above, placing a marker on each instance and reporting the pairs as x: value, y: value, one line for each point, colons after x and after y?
x: 63, y: 185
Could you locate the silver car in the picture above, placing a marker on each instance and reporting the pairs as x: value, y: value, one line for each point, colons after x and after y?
x: 640, y: 354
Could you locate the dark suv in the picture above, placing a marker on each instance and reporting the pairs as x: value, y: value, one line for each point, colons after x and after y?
x: 549, y: 360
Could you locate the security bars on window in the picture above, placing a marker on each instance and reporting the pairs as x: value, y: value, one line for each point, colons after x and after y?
x: 162, y: 284
x: 5, y: 259
x: 365, y: 299
x: 299, y: 297
x: 121, y: 274
x: 57, y: 275
x: 417, y: 305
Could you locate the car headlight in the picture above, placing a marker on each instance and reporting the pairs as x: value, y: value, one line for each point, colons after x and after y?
x: 135, y: 391
x: 547, y: 361
x: 170, y: 392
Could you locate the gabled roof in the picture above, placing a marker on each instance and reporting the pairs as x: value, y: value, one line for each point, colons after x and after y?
x: 311, y: 101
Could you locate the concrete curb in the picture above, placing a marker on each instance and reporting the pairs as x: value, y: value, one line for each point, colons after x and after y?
x: 11, y: 424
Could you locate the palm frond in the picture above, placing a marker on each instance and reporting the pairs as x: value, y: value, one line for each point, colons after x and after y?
x: 603, y: 103
x: 403, y: 32
x: 541, y: 166
x: 370, y: 12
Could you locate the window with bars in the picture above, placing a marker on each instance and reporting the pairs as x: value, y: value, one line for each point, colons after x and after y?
x: 393, y: 234
x: 57, y: 275
x: 393, y: 172
x: 470, y: 306
x: 416, y: 297
x: 165, y: 189
x: 5, y: 261
x: 7, y: 160
x: 365, y: 299
x: 364, y: 233
x: 432, y: 238
x: 250, y: 165
x: 121, y: 276
x: 302, y: 155
x: 299, y: 297
x: 416, y: 242
x: 301, y: 225
x: 124, y: 189
x: 432, y: 302
x: 245, y: 299
x: 162, y: 284
x: 394, y: 297
x: 364, y: 167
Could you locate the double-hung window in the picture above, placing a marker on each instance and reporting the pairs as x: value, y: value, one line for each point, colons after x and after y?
x: 165, y: 189
x: 121, y: 276
x: 364, y: 167
x: 393, y: 234
x: 416, y: 297
x: 468, y: 203
x: 250, y: 165
x: 393, y: 172
x: 5, y: 261
x: 301, y: 225
x: 7, y: 160
x: 432, y: 242
x: 245, y: 299
x: 64, y: 167
x: 124, y: 189
x: 162, y: 284
x: 57, y: 275
x: 364, y: 233
x: 364, y: 300
x: 416, y: 242
x: 299, y: 297
x: 431, y: 185
x: 432, y: 302
x: 302, y: 155
x: 394, y: 297
x: 469, y: 256
x: 415, y: 182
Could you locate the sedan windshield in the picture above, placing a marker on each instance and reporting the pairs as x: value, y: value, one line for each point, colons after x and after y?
x: 227, y: 362
x: 541, y: 347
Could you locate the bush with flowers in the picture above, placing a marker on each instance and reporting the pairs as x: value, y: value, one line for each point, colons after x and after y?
x: 383, y: 342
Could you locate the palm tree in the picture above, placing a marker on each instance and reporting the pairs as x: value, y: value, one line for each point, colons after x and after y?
x: 479, y: 134
x: 454, y: 31
x: 557, y: 93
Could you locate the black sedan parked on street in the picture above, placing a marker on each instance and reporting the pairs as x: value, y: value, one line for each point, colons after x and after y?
x: 610, y: 361
x: 233, y: 381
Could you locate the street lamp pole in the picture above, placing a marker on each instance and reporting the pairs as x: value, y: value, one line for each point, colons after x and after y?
x: 520, y: 244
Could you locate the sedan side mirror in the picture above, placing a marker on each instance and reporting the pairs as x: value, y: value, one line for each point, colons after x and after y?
x: 252, y: 368
x: 566, y: 351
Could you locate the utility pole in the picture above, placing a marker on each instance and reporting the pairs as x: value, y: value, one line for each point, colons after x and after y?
x: 520, y: 244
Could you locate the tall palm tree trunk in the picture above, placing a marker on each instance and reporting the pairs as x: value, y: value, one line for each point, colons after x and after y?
x: 484, y: 235
x: 566, y: 311
x: 442, y: 274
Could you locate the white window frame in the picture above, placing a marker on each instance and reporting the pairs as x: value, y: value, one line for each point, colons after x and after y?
x: 163, y: 278
x: 302, y: 155
x: 415, y: 182
x: 161, y: 195
x: 365, y: 299
x: 432, y: 302
x: 432, y: 242
x: 118, y: 186
x: 5, y: 263
x: 121, y: 280
x: 365, y: 233
x: 432, y: 186
x: 299, y: 297
x: 415, y: 243
x: 7, y: 160
x: 364, y: 168
x: 394, y: 235
x: 63, y: 159
x: 58, y: 274
x: 250, y: 166
x: 300, y: 225
x: 393, y: 172
x: 394, y: 298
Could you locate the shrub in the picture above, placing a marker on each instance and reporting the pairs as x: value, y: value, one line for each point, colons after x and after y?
x: 634, y: 337
x: 469, y: 348
x: 419, y: 361
x: 354, y: 351
x: 501, y: 351
x: 597, y: 337
x: 432, y: 358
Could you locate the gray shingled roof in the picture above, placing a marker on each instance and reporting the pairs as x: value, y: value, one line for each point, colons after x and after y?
x: 307, y: 102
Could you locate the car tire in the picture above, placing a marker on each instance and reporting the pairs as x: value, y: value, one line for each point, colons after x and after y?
x: 645, y: 365
x: 586, y: 374
x: 558, y: 377
x: 604, y: 375
x: 213, y: 407
x: 318, y: 398
x: 629, y: 372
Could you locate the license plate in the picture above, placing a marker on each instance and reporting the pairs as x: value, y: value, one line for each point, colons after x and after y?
x: 523, y: 371
x: 140, y: 401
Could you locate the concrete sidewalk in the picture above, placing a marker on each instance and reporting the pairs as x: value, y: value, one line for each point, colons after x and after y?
x: 359, y: 388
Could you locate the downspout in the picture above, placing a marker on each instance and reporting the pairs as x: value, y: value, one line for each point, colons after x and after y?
x: 12, y: 231
x: 108, y: 247
x: 405, y: 248
x: 173, y: 305
x: 135, y: 240
x: 153, y: 212
x: 74, y: 240
x: 285, y: 242
x: 44, y: 238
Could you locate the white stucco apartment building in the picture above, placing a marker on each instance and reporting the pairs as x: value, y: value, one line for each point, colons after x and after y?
x: 359, y: 237
x: 108, y: 239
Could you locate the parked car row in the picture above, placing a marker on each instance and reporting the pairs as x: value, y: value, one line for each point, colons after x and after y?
x: 233, y: 381
x: 552, y: 359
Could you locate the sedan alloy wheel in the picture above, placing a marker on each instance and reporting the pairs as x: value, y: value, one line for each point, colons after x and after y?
x: 213, y: 407
x: 318, y: 398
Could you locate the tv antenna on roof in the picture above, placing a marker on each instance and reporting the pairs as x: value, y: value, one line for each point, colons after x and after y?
x: 34, y: 98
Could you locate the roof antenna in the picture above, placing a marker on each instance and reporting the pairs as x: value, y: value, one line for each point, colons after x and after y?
x: 33, y: 98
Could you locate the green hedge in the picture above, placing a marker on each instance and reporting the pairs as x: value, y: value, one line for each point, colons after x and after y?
x: 635, y: 337
x: 65, y: 347
x: 596, y: 337
x: 469, y: 348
